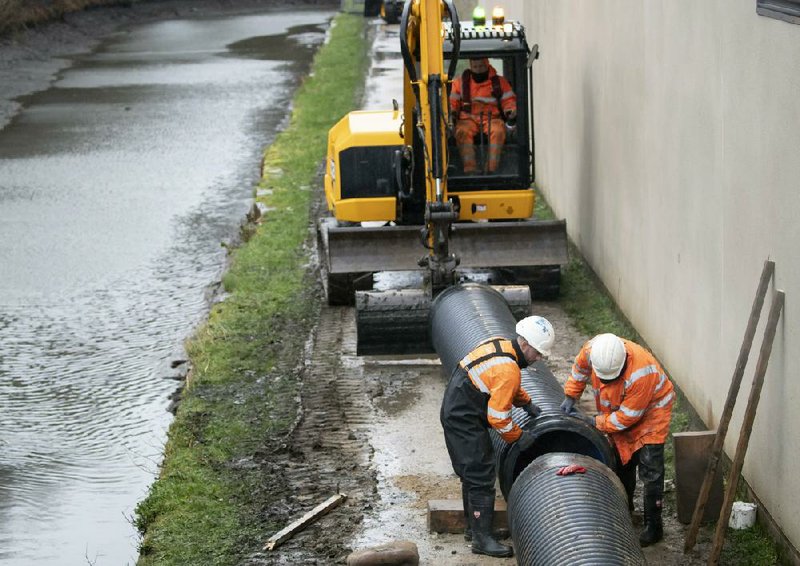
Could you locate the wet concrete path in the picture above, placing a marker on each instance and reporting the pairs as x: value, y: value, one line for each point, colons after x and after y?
x: 117, y: 187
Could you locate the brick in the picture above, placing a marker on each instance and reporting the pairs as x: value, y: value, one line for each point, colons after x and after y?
x: 447, y: 516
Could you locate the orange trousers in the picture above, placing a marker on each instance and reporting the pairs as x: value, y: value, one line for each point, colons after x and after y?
x: 467, y: 129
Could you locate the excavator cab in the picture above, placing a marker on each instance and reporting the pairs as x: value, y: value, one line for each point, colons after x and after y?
x: 507, y: 53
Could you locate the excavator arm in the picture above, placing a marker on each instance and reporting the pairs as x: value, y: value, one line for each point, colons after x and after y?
x: 426, y: 110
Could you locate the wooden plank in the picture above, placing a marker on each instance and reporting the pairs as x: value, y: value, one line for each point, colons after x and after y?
x: 727, y: 411
x: 747, y: 425
x: 447, y: 516
x: 692, y: 451
x: 301, y: 523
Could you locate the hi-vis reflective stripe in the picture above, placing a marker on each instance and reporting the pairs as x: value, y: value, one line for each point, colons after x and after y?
x: 476, y: 372
x: 605, y: 402
x: 485, y: 99
x: 614, y: 421
x: 508, y: 94
x: 630, y: 412
x: 506, y: 428
x: 455, y: 96
x: 578, y: 376
x: 661, y: 382
x: 665, y: 401
x: 639, y: 373
x: 501, y: 415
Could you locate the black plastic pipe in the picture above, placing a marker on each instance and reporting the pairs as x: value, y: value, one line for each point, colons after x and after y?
x: 464, y: 316
x: 576, y: 519
x: 552, y: 430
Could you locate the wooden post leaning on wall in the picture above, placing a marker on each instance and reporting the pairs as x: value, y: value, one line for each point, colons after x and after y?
x: 747, y: 426
x: 727, y: 411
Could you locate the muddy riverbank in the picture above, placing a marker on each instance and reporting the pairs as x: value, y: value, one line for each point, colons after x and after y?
x: 32, y: 58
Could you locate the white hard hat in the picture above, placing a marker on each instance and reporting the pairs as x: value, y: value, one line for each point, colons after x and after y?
x: 607, y: 356
x: 538, y: 332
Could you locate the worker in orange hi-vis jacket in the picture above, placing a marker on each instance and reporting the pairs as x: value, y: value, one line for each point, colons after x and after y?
x: 481, y: 101
x: 634, y: 397
x: 484, y: 387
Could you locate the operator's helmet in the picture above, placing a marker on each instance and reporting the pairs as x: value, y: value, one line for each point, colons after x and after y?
x: 607, y: 356
x: 538, y: 332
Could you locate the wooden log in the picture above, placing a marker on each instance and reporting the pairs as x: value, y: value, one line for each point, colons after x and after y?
x: 301, y: 523
x: 747, y: 426
x: 727, y: 411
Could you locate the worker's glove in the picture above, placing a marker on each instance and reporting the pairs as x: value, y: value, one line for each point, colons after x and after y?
x: 532, y: 410
x: 588, y: 419
x: 525, y: 441
x: 568, y: 405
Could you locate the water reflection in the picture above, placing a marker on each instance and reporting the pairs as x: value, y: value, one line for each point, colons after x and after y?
x: 117, y: 187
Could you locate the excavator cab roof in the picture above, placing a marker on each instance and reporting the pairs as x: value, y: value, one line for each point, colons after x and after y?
x: 486, y: 40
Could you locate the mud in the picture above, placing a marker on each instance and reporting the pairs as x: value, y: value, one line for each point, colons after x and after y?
x: 370, y: 428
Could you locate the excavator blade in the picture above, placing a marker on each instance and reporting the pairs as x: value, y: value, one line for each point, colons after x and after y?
x: 397, y: 321
x: 362, y: 249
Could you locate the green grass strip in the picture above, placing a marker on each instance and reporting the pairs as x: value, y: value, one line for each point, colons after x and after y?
x: 203, y: 509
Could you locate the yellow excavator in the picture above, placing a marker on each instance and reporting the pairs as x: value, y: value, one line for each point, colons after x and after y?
x: 406, y: 220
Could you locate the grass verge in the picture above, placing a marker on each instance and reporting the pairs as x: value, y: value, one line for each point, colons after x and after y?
x: 592, y: 310
x: 242, y: 391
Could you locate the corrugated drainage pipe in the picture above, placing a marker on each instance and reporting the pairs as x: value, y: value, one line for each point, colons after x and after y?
x: 577, y: 519
x: 552, y: 430
x: 592, y: 507
x: 464, y: 316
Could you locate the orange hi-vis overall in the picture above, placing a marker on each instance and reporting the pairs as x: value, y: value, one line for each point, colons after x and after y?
x: 493, y: 369
x: 479, y: 396
x: 480, y: 110
x: 635, y: 409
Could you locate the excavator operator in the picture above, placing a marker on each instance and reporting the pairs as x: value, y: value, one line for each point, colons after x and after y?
x: 480, y: 394
x: 481, y: 102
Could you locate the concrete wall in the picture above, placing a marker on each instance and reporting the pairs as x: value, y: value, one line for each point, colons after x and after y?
x: 668, y: 136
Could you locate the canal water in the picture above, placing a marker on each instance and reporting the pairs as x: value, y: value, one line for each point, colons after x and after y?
x: 118, y: 187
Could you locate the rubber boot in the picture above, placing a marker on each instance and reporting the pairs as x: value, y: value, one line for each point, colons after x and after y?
x: 481, y: 516
x: 653, y: 527
x: 465, y: 503
x: 651, y: 472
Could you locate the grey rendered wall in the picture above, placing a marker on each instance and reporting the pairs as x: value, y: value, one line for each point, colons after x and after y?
x: 668, y: 136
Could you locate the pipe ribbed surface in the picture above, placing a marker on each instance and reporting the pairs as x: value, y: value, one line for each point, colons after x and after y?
x: 552, y: 431
x: 464, y: 316
x: 575, y: 519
